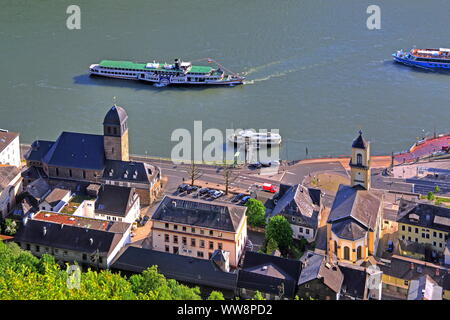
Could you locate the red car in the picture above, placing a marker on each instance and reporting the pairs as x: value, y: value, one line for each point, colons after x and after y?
x: 269, y: 188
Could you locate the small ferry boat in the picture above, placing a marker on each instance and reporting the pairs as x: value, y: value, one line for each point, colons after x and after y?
x: 163, y: 74
x: 430, y: 59
x: 253, y: 137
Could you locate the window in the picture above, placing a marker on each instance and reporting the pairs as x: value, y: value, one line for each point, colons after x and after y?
x: 335, y: 248
x: 409, y: 229
x: 307, y: 231
x: 211, y: 232
x: 202, y: 243
x: 346, y: 253
x: 38, y: 249
x: 300, y: 229
x: 193, y: 242
x: 175, y: 239
x: 84, y: 257
x: 193, y: 230
x: 417, y: 230
x: 175, y: 227
x: 219, y: 246
x: 167, y: 249
x: 359, y: 159
x: 184, y: 229
x: 434, y: 234
x: 84, y: 174
x: 184, y: 240
x: 167, y: 226
x: 403, y: 228
x: 359, y: 253
x: 200, y: 254
x: 166, y: 238
x: 211, y: 245
x: 202, y: 231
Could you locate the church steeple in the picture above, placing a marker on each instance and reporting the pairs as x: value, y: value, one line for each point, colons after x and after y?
x: 360, y: 162
x: 115, y: 134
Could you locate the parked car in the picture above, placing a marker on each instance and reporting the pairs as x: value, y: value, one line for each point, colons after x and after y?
x: 183, y: 187
x: 238, y: 197
x: 265, y: 164
x: 269, y: 188
x: 390, y: 246
x: 217, y: 194
x: 190, y: 189
x: 244, y: 200
x: 144, y: 221
x: 203, y: 191
x: 255, y: 165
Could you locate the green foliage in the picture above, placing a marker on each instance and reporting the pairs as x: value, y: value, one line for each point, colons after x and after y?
x: 9, y: 227
x: 280, y: 230
x: 216, y: 295
x: 272, y: 246
x: 437, y: 189
x: 258, y: 296
x: 430, y: 196
x: 25, y: 277
x: 256, y: 213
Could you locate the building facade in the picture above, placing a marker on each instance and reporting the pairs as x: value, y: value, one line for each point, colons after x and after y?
x: 197, y: 228
x: 9, y: 148
x: 10, y: 187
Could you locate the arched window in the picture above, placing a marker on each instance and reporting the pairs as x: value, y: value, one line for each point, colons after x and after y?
x: 346, y: 253
x: 359, y: 253
x: 359, y: 159
x: 335, y: 248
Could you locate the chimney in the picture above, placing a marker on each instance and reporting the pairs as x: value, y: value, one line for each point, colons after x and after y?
x: 91, y: 241
x: 44, y: 230
x: 412, y: 266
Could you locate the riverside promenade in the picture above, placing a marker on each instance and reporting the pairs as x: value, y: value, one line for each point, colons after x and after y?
x: 423, y: 148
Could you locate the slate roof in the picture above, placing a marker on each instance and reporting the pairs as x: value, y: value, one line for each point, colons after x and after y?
x: 77, y: 150
x: 424, y: 288
x: 115, y: 116
x: 55, y: 196
x: 348, y: 229
x: 6, y: 137
x: 7, y: 174
x: 266, y: 273
x: 38, y: 189
x: 297, y: 201
x: 359, y: 142
x: 359, y: 207
x: 174, y: 266
x: 446, y: 282
x: 354, y: 284
x: 200, y: 213
x: 315, y: 266
x: 129, y: 171
x: 424, y: 215
x: 67, y: 237
x: 38, y: 150
x: 114, y: 200
x: 410, y: 269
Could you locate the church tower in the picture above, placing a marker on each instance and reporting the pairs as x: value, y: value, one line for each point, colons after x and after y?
x: 115, y: 134
x: 360, y: 162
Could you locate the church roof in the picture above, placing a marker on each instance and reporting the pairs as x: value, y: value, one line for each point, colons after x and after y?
x: 77, y: 150
x: 359, y: 142
x: 115, y: 116
x: 356, y: 203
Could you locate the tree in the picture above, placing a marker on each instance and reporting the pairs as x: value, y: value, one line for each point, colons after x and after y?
x: 437, y: 189
x: 430, y: 196
x: 271, y: 246
x: 280, y: 230
x: 228, y: 176
x: 258, y: 296
x: 216, y: 295
x: 256, y: 213
x: 194, y: 173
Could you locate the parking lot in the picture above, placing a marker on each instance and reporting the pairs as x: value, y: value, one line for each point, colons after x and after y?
x: 210, y: 194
